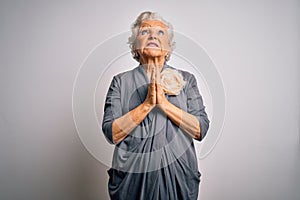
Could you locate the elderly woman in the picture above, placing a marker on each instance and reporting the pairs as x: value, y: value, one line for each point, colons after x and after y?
x: 152, y: 114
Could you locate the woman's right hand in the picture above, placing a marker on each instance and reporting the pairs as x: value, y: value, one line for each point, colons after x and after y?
x: 151, y: 96
x: 122, y: 126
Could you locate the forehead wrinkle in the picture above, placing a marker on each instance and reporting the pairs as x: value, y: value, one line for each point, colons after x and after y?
x: 153, y: 23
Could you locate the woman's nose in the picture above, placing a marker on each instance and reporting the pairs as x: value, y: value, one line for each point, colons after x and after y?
x: 152, y: 35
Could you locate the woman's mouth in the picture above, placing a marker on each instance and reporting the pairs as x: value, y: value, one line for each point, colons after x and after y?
x: 152, y: 44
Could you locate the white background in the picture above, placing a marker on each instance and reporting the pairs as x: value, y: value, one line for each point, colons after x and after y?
x: 254, y: 44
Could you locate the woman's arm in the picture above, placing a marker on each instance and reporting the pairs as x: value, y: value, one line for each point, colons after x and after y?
x: 194, y: 121
x: 122, y: 126
x: 187, y: 122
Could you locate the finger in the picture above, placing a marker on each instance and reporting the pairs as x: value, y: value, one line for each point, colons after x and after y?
x: 159, y: 89
x: 157, y: 75
x: 152, y: 78
x: 152, y: 82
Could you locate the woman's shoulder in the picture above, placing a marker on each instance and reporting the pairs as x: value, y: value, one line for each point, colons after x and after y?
x: 125, y: 74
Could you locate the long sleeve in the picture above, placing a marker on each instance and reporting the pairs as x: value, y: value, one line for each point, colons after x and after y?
x: 195, y: 105
x: 112, y: 108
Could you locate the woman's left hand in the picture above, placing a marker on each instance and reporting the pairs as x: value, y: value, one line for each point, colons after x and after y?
x: 161, y: 99
x: 185, y: 121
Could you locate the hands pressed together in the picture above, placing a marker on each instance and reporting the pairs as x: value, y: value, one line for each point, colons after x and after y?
x: 122, y: 126
x: 156, y: 93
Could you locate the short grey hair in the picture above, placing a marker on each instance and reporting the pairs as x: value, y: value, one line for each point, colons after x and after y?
x: 136, y: 26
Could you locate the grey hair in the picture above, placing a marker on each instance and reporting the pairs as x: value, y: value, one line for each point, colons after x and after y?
x: 135, y: 29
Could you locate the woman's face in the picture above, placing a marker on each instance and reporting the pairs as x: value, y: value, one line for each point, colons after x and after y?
x: 152, y: 39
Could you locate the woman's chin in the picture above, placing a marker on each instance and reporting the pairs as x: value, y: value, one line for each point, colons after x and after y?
x: 152, y: 53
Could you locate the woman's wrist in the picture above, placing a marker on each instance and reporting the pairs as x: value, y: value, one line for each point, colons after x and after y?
x: 147, y: 106
x: 164, y: 105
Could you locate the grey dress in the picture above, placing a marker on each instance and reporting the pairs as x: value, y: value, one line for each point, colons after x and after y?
x: 157, y: 160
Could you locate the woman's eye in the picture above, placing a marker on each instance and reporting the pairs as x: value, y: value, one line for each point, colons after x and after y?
x: 160, y: 32
x: 144, y: 32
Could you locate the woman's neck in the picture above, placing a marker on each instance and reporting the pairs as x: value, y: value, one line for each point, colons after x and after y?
x: 150, y: 62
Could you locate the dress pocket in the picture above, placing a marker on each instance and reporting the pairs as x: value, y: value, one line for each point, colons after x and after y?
x: 116, y: 178
x: 193, y: 173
